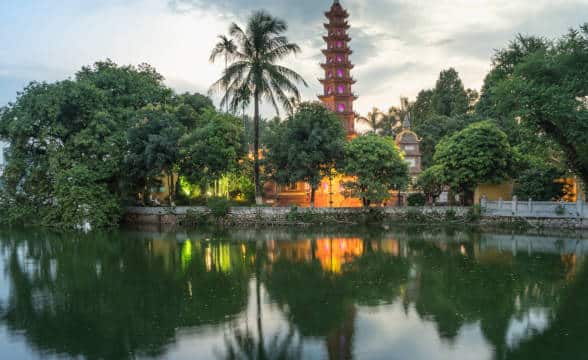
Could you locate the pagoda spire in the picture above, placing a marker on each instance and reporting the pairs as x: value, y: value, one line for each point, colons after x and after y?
x: 337, y: 83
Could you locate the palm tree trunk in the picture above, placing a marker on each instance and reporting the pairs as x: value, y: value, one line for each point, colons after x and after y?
x: 258, y: 199
x: 312, y: 197
x: 226, y: 66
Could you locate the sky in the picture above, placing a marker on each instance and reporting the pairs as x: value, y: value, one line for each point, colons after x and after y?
x: 400, y: 46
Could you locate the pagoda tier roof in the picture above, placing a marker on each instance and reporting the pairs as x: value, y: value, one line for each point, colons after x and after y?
x: 337, y: 11
x: 345, y: 65
x: 337, y: 51
x: 346, y: 80
x: 337, y: 37
x: 345, y: 25
x: 338, y: 96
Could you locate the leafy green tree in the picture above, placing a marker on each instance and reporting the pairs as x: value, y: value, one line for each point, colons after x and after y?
x: 154, y: 148
x: 538, y: 182
x: 212, y: 150
x: 430, y: 182
x: 378, y: 168
x: 547, y: 92
x: 74, y: 129
x: 254, y: 70
x: 422, y: 108
x: 449, y: 97
x: 188, y: 108
x: 503, y: 65
x: 480, y: 153
x: 434, y: 128
x: 306, y: 147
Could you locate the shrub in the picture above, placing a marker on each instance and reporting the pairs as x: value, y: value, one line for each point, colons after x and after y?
x: 417, y: 199
x: 219, y: 207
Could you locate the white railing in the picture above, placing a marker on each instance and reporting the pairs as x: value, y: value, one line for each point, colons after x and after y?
x: 535, y: 209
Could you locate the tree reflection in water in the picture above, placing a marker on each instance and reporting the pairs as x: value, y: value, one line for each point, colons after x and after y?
x: 72, y: 295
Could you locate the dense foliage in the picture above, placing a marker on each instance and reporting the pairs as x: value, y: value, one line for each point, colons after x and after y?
x: 306, y: 147
x: 67, y: 144
x: 480, y: 153
x: 545, y: 87
x: 431, y: 182
x: 81, y: 148
x: 377, y: 167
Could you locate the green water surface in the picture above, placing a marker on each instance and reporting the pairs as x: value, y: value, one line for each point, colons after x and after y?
x: 283, y: 294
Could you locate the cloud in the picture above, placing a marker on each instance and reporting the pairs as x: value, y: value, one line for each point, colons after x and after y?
x: 400, y: 46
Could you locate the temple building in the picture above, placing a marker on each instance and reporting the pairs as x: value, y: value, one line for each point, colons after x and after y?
x: 409, y: 144
x: 338, y: 97
x: 337, y: 83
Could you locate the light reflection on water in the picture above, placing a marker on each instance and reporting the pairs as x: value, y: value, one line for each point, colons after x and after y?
x: 406, y: 295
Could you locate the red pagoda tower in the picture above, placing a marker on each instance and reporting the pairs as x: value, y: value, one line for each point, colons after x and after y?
x: 337, y: 95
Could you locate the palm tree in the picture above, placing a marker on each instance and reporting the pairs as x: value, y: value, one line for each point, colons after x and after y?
x: 259, y: 47
x: 225, y: 47
x: 392, y: 121
x: 373, y: 119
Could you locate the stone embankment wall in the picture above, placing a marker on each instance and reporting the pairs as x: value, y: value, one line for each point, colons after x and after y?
x: 277, y: 216
x: 280, y: 215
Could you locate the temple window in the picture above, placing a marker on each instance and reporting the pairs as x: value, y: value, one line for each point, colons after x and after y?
x: 341, y: 108
x: 340, y: 89
x: 339, y: 58
x: 329, y: 90
x: 339, y: 44
x: 340, y: 72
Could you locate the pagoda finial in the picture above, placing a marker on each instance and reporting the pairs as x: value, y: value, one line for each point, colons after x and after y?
x: 406, y: 123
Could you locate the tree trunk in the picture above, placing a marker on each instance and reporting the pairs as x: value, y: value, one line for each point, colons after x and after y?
x: 171, y: 187
x: 258, y: 198
x: 312, y: 196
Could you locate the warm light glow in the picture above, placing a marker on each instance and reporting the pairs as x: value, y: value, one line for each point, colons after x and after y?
x: 341, y: 108
x: 334, y: 253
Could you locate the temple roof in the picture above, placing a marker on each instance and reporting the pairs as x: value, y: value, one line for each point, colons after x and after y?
x: 407, y: 137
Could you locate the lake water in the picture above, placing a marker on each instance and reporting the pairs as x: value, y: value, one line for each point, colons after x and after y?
x: 277, y: 294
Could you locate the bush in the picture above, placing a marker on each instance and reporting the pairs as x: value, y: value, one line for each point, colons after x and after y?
x: 219, y: 207
x: 417, y: 199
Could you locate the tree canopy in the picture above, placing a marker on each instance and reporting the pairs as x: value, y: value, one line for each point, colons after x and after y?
x: 81, y: 148
x: 377, y: 166
x: 213, y: 149
x: 547, y: 91
x: 305, y: 147
x: 480, y: 153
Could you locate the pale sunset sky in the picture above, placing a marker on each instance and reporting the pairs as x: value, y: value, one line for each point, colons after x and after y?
x: 400, y: 46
